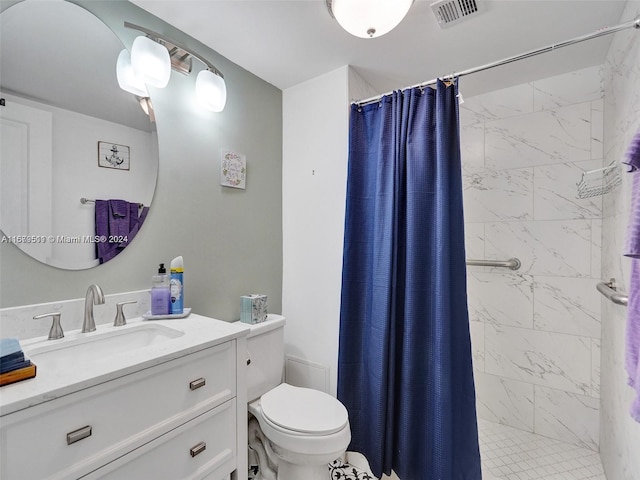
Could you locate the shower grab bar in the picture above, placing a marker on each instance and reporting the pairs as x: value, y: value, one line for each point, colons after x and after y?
x: 610, y: 291
x: 512, y: 263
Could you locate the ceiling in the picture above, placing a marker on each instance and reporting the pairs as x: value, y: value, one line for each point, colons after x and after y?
x: 289, y: 42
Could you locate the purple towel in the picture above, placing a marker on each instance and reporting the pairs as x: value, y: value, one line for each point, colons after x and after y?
x: 632, y: 357
x: 632, y: 249
x: 119, y: 212
x: 116, y: 220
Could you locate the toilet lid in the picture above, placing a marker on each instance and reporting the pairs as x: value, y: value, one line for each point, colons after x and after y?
x: 303, y: 410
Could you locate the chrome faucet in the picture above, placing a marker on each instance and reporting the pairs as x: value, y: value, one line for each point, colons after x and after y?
x: 94, y: 296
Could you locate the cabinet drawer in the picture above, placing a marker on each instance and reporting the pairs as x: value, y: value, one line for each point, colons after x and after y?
x: 204, y: 446
x: 116, y: 416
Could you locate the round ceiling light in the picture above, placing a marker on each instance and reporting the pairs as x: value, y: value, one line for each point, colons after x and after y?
x: 369, y: 18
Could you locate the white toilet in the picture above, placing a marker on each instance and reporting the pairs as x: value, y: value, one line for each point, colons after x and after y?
x: 295, y: 432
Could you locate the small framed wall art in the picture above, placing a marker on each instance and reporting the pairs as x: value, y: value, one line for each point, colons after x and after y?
x: 112, y: 155
x: 233, y: 169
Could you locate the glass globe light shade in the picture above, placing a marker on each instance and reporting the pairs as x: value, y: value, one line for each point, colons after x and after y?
x: 151, y: 62
x: 369, y: 18
x: 127, y: 78
x: 211, y: 90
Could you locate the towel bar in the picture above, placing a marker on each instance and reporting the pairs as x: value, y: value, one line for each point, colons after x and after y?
x: 512, y: 263
x: 609, y: 290
x: 84, y: 200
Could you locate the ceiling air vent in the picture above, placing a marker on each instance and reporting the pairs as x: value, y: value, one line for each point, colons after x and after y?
x: 450, y: 12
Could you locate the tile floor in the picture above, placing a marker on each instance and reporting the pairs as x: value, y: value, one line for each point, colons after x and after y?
x: 512, y: 454
x: 507, y: 454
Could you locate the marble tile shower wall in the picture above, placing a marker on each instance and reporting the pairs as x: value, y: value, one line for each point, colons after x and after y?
x: 536, y: 332
x: 620, y: 435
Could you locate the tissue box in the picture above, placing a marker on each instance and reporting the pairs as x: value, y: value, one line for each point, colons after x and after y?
x: 253, y: 308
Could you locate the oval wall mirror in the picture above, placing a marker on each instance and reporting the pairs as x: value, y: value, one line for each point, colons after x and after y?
x: 78, y: 155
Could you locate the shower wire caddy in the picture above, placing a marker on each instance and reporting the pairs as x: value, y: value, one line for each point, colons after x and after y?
x: 599, y: 181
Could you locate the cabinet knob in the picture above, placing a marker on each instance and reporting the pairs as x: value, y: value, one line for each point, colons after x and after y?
x: 198, y: 449
x: 195, y: 384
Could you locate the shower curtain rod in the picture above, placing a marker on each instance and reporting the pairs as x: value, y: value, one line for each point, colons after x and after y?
x: 599, y: 33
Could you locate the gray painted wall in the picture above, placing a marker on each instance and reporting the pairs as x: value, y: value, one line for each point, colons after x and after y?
x: 231, y: 240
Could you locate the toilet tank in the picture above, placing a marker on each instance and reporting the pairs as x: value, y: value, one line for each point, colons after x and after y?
x: 265, y: 349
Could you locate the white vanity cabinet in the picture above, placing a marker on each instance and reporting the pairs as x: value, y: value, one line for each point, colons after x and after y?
x: 183, y: 418
x: 202, y: 448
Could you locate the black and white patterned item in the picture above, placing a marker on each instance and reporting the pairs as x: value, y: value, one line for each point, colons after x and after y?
x: 339, y: 470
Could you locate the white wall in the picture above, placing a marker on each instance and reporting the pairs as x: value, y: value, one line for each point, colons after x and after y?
x: 314, y: 176
x: 314, y: 171
x: 620, y: 434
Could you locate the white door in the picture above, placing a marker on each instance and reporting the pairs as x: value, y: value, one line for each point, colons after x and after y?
x: 25, y: 177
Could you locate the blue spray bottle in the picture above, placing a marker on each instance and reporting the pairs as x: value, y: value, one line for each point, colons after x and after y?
x: 177, y: 286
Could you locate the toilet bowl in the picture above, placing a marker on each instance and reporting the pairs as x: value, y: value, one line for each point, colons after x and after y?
x: 295, y: 432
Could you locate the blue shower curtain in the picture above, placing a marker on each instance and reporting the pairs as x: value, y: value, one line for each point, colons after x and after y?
x: 404, y: 367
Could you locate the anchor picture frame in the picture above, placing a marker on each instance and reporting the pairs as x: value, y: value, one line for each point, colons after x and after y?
x: 114, y: 155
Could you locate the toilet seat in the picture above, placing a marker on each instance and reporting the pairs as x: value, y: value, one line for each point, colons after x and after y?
x: 303, y: 410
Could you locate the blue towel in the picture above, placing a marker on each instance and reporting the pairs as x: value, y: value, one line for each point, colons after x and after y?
x: 14, y: 365
x: 9, y: 347
x: 11, y: 355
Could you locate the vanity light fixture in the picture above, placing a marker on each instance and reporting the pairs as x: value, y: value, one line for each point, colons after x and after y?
x: 211, y: 90
x: 154, y: 56
x: 127, y: 78
x: 151, y: 62
x: 368, y: 18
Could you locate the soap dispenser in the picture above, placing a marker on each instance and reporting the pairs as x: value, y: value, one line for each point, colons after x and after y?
x: 160, y: 292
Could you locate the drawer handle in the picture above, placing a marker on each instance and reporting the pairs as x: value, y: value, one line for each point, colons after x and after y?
x: 79, y: 434
x: 195, y: 384
x: 198, y: 449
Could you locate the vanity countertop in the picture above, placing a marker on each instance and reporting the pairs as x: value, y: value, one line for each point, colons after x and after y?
x: 199, y: 333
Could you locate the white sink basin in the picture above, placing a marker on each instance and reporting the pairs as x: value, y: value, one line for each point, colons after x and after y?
x: 79, y: 348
